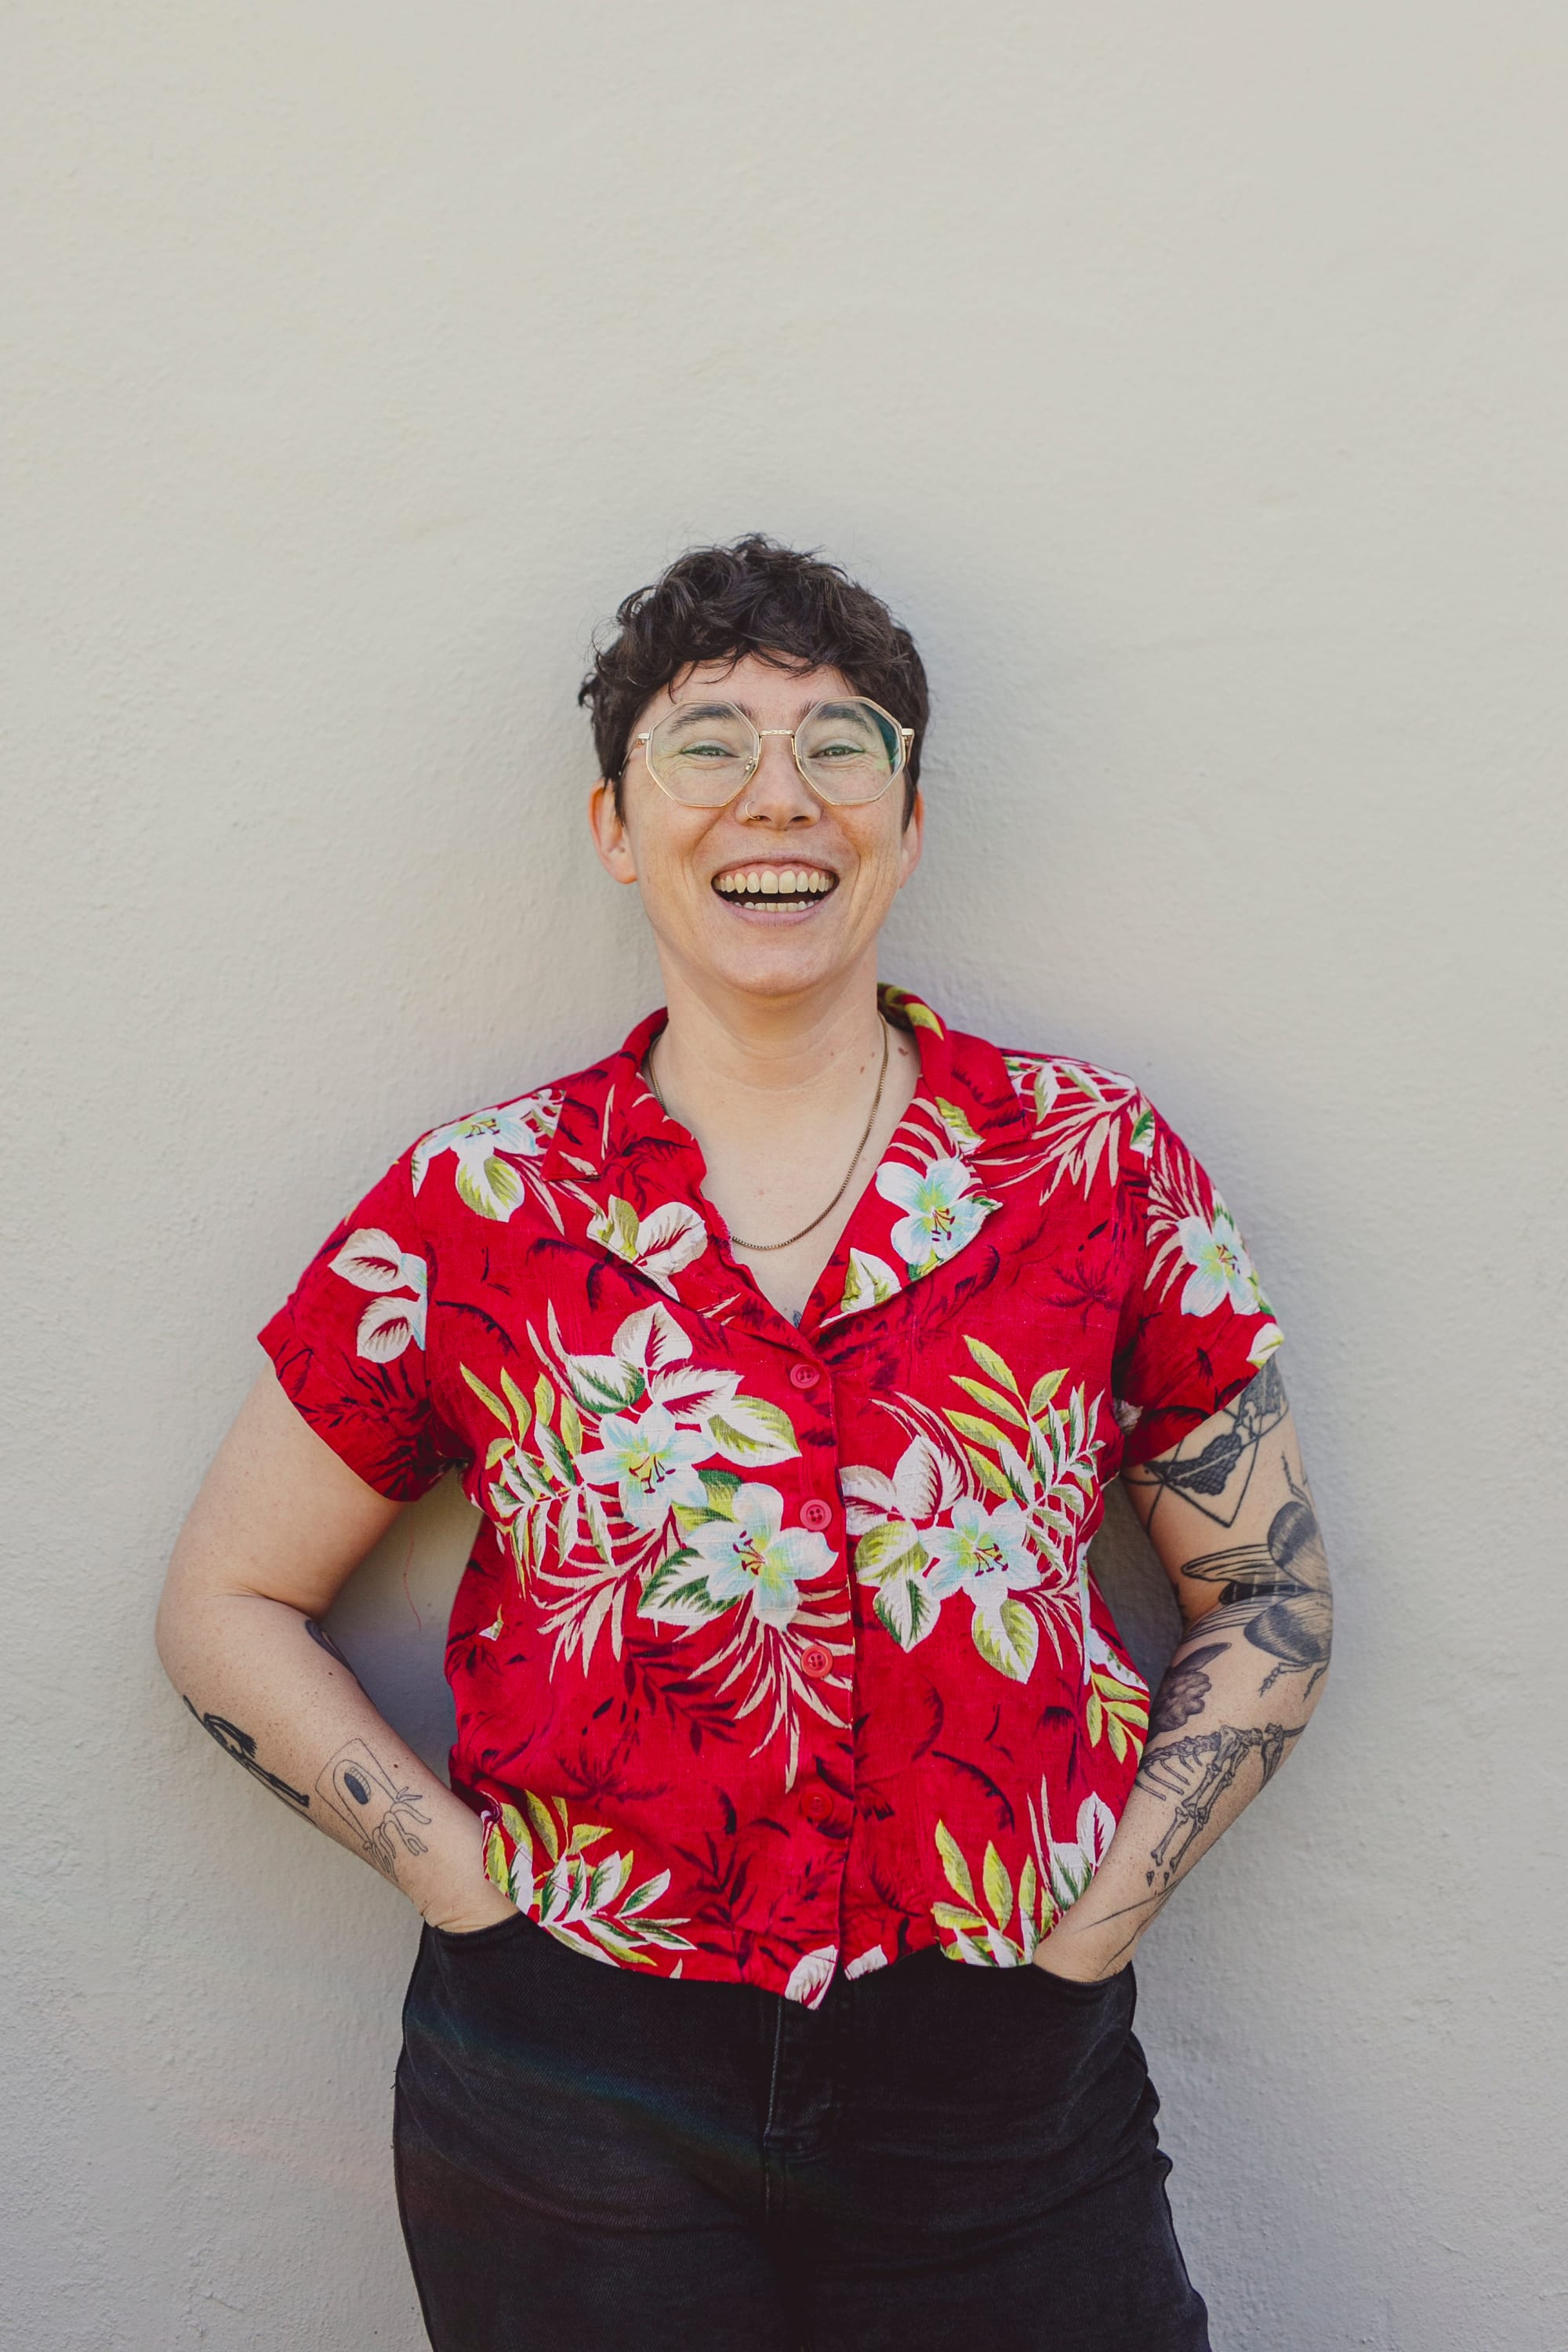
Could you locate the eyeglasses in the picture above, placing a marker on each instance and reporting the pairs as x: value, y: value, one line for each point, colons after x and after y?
x: 702, y: 753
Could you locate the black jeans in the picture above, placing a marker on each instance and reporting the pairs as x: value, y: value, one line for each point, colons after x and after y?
x: 589, y: 2160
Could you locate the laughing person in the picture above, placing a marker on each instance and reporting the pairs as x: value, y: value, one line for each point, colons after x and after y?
x: 806, y: 1810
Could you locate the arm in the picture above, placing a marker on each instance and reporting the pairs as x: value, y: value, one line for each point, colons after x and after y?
x: 279, y: 1525
x: 1229, y: 1513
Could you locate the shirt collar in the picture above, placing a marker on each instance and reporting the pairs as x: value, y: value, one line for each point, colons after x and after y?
x: 640, y: 1173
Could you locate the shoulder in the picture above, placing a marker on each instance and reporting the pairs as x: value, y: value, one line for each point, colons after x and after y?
x: 1088, y: 1121
x: 484, y: 1158
x: 1060, y: 1087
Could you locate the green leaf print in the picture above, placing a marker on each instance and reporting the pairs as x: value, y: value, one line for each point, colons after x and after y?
x: 1044, y: 1390
x: 954, y: 1867
x: 998, y: 1887
x: 544, y: 1821
x: 553, y: 1452
x: 891, y: 1549
x: 1008, y: 1638
x: 992, y: 1397
x: 720, y: 1487
x: 995, y: 1366
x: 906, y: 1609
x: 979, y: 1930
x: 491, y: 1187
x: 486, y: 1397
x: 956, y: 1123
x: 678, y: 1588
x: 495, y: 1859
x: 990, y: 1477
x: 752, y: 1431
x: 983, y: 1433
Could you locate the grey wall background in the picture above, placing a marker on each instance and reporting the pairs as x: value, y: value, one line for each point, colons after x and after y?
x: 1194, y: 381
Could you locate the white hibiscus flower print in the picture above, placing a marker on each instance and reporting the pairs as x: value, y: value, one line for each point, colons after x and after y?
x: 985, y: 1553
x: 372, y: 1260
x: 942, y: 1212
x: 485, y: 1182
x: 1221, y: 1268
x: 650, y: 1462
x: 746, y: 1554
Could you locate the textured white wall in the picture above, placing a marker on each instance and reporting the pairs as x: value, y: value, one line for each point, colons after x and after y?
x: 1192, y: 380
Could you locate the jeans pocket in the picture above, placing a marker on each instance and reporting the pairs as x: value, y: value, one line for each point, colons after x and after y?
x: 1082, y: 1991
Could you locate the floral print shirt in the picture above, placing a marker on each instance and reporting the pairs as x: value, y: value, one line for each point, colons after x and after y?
x: 778, y: 1653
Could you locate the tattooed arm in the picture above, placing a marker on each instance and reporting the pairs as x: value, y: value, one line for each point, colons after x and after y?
x: 278, y: 1526
x: 1229, y: 1513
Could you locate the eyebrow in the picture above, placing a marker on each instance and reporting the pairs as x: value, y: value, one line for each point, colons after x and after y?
x: 719, y: 702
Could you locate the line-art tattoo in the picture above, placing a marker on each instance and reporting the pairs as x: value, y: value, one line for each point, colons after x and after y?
x: 1215, y: 1481
x: 1184, y: 1690
x: 374, y: 1807
x: 323, y: 1640
x: 1196, y: 1770
x: 241, y: 1745
x: 1288, y: 1573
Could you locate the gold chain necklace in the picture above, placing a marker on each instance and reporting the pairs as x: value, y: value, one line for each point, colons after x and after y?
x: 735, y: 1241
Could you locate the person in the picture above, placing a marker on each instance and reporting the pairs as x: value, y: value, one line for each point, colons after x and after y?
x: 806, y: 1812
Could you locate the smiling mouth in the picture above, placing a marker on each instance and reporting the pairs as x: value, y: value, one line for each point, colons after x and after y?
x: 779, y: 888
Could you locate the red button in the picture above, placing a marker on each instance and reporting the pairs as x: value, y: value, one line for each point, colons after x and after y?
x: 815, y: 1514
x: 817, y: 1661
x: 817, y: 1805
x: 803, y: 1376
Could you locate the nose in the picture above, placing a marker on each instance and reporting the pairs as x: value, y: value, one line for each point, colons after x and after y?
x: 778, y: 794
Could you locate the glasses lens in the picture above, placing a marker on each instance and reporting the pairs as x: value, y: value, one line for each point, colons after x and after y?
x: 850, y: 750
x: 703, y: 753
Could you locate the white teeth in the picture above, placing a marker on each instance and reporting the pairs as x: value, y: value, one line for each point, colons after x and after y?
x: 773, y: 882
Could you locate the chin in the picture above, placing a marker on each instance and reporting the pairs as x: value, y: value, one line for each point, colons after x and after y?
x: 779, y: 968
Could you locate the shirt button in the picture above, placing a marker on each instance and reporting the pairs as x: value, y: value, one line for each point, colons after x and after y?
x: 815, y: 1514
x: 803, y: 1376
x: 817, y: 1805
x: 816, y: 1662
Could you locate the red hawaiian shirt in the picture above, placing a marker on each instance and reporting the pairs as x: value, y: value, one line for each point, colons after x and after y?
x: 777, y: 1652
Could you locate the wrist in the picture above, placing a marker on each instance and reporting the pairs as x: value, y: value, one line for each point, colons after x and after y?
x: 1088, y: 1950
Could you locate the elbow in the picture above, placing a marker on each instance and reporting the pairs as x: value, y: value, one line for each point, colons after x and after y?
x: 166, y: 1636
x: 177, y: 1628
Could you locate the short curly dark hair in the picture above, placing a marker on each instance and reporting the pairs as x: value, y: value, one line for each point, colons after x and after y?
x: 753, y: 596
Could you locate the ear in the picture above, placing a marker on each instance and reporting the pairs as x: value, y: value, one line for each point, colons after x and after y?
x: 913, y: 840
x: 609, y: 831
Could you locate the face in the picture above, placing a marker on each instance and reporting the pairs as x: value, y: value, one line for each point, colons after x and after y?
x: 840, y: 867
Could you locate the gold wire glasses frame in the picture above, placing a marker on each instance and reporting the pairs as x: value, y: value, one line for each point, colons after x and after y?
x: 728, y: 766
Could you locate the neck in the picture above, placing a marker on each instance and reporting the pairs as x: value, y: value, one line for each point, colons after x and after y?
x: 733, y: 1056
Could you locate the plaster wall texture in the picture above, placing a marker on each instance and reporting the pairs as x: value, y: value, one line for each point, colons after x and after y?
x: 1193, y: 381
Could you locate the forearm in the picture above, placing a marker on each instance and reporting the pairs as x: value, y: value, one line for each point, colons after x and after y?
x: 279, y: 1697
x: 1222, y: 1723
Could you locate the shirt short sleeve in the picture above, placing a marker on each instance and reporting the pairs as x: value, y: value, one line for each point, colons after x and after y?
x: 349, y: 1345
x: 1196, y: 1325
